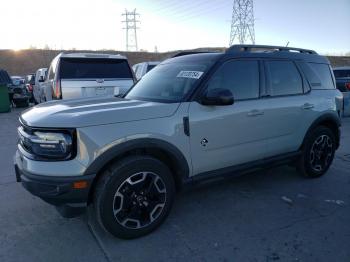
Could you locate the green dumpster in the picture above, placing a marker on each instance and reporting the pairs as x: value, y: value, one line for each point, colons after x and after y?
x: 4, y: 98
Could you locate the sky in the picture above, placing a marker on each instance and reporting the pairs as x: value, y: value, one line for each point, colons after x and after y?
x: 322, y: 25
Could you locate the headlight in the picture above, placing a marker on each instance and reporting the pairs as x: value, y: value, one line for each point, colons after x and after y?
x: 55, y: 145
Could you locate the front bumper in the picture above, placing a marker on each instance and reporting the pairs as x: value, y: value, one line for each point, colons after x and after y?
x: 61, y: 192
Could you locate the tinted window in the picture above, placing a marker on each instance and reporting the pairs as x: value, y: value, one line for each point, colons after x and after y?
x: 240, y: 77
x: 319, y: 75
x: 73, y: 68
x: 323, y: 72
x: 284, y: 78
x: 340, y: 73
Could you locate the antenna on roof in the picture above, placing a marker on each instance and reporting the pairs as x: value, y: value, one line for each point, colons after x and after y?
x: 287, y: 44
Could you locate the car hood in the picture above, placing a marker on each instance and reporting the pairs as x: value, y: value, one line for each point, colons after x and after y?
x: 93, y: 111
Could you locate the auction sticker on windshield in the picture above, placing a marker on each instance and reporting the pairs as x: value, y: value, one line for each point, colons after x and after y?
x: 190, y: 74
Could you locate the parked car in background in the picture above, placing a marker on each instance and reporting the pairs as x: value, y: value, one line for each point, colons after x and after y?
x: 30, y: 83
x: 19, y: 93
x: 40, y: 93
x: 79, y: 75
x: 342, y: 78
x: 17, y: 80
x: 143, y: 68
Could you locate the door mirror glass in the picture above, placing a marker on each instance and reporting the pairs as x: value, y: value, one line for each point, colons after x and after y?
x: 217, y: 97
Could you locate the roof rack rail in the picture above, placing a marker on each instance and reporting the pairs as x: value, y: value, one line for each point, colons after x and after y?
x: 248, y: 48
x: 190, y: 53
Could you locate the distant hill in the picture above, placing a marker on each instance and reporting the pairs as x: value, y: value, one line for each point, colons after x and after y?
x: 28, y: 61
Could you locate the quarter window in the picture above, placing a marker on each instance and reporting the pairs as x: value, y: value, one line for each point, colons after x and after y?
x: 240, y: 77
x: 323, y: 76
x: 283, y: 78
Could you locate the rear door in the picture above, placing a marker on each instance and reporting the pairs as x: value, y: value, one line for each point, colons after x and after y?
x: 288, y: 105
x: 89, y: 77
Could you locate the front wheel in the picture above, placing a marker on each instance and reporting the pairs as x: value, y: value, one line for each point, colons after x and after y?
x: 134, y: 196
x: 318, y: 152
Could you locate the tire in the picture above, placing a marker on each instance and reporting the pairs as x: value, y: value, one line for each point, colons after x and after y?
x: 317, y: 153
x: 133, y: 196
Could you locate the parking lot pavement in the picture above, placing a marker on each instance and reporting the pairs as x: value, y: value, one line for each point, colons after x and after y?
x: 272, y: 215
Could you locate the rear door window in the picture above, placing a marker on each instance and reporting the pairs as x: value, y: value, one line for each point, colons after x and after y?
x: 86, y: 68
x: 283, y: 78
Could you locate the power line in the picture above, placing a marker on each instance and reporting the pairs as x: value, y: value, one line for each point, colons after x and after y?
x: 202, y: 11
x: 131, y: 29
x: 190, y: 10
x: 242, y: 25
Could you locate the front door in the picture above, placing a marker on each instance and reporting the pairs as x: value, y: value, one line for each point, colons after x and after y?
x: 223, y: 136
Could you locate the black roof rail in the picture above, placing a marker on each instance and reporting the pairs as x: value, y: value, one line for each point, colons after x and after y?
x: 248, y: 48
x: 191, y: 53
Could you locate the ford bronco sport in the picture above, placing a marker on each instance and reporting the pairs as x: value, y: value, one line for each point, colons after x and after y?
x: 192, y: 117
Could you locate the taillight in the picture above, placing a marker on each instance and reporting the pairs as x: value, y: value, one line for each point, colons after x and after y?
x: 347, y: 86
x: 30, y: 88
x: 58, y: 89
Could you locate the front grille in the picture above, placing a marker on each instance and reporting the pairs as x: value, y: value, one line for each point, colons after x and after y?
x: 24, y: 138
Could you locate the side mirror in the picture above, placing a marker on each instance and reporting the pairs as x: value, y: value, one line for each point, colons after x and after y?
x: 217, y: 97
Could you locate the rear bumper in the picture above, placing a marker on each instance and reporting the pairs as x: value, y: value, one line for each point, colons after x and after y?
x: 58, y: 191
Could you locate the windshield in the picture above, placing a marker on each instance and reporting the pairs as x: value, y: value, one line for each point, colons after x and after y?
x: 168, y: 82
x: 341, y: 73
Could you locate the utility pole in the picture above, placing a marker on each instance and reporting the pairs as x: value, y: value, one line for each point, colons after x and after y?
x: 130, y: 20
x: 242, y: 25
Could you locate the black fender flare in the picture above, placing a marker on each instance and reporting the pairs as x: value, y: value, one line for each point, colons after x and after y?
x: 182, y: 166
x: 327, y: 117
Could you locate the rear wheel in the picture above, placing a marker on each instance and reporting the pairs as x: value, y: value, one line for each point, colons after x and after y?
x: 134, y: 196
x: 318, y: 152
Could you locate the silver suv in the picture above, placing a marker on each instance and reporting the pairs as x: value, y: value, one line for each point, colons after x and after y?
x: 79, y: 75
x: 191, y: 118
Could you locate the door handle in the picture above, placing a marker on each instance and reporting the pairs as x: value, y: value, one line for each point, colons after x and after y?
x: 308, y: 106
x: 255, y: 112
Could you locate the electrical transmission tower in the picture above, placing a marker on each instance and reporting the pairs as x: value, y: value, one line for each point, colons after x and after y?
x: 242, y: 25
x: 130, y: 20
